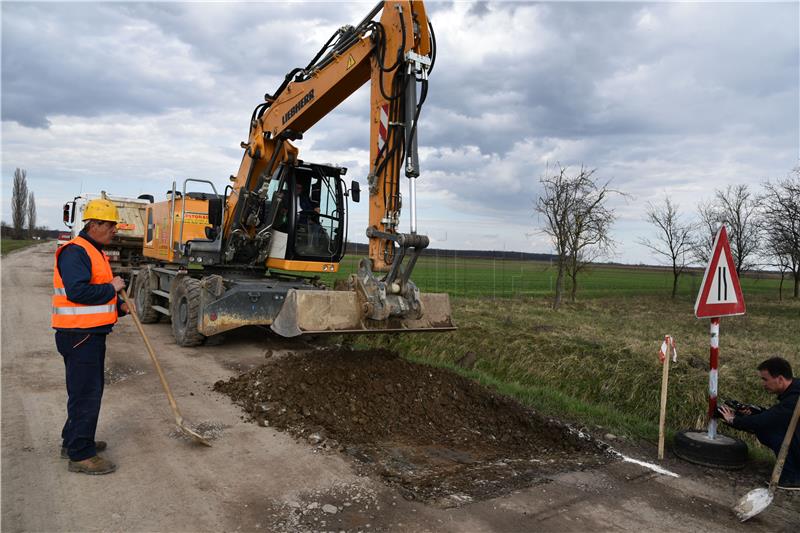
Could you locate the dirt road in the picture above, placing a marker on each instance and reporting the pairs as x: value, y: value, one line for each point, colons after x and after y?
x: 260, y: 479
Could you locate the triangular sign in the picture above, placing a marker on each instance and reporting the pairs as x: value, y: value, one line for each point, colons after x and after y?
x: 720, y: 293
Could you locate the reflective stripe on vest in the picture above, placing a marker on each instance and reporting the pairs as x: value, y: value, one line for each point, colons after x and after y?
x: 70, y: 315
x: 84, y: 310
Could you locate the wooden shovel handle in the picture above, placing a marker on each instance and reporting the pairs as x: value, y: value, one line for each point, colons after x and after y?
x: 172, y: 404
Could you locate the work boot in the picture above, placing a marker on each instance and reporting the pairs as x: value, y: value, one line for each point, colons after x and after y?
x: 99, y: 445
x: 94, y: 466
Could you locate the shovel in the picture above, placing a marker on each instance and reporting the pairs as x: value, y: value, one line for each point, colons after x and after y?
x: 757, y: 500
x: 178, y: 418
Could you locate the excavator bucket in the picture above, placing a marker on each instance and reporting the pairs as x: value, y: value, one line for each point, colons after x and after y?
x: 318, y: 311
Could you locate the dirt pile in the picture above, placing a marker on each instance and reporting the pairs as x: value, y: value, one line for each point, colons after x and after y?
x: 439, y: 436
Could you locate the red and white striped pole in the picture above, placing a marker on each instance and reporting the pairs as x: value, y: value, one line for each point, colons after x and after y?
x: 712, y: 379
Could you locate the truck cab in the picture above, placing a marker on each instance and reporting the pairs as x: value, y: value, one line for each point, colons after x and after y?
x: 125, y: 252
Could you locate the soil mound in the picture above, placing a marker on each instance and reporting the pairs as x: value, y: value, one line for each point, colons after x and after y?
x: 437, y: 435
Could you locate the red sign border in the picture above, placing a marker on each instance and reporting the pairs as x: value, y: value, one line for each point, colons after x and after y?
x: 706, y: 310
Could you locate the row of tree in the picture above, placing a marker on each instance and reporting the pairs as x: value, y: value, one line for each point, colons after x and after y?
x: 23, y: 207
x: 763, y: 227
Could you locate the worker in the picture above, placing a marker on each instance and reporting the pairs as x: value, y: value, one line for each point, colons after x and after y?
x: 307, y: 209
x: 770, y: 426
x: 307, y: 220
x: 85, y: 308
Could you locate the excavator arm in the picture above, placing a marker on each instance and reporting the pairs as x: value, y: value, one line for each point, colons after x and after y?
x: 395, y: 55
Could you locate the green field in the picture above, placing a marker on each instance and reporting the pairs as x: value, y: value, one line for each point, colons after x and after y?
x: 480, y: 278
x: 9, y: 245
x: 594, y: 362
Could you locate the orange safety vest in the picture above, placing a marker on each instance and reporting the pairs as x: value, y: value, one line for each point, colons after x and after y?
x: 69, y: 315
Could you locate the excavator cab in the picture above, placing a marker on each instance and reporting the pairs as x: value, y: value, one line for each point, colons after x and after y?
x: 306, y: 204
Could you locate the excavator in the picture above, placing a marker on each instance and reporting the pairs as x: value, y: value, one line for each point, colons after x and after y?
x: 251, y: 254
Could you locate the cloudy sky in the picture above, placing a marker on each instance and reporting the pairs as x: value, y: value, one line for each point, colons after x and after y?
x: 675, y: 98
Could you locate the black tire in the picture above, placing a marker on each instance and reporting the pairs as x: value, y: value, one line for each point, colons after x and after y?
x: 185, y: 310
x: 724, y: 452
x: 144, y: 298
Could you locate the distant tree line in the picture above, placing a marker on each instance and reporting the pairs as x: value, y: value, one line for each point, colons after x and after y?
x: 763, y: 229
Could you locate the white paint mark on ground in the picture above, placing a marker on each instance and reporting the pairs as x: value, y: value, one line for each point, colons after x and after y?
x: 651, y: 466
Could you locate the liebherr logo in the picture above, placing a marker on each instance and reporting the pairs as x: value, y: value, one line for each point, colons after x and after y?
x: 298, y: 106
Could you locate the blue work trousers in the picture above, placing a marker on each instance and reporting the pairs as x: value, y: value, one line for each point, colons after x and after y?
x: 84, y: 360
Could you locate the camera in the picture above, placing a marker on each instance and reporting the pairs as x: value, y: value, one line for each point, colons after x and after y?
x: 739, y: 408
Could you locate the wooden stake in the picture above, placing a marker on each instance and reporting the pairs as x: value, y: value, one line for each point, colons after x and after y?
x: 663, y: 416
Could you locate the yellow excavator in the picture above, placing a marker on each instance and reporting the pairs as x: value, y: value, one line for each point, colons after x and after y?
x: 251, y: 254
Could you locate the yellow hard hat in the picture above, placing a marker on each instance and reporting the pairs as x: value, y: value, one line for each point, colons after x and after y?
x: 101, y: 209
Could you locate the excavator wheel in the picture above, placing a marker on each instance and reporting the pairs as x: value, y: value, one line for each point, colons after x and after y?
x: 185, y: 310
x: 143, y: 298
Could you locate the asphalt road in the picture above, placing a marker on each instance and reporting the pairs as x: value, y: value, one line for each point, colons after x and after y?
x: 256, y: 478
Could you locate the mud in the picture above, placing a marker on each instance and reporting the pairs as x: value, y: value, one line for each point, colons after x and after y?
x: 436, y: 436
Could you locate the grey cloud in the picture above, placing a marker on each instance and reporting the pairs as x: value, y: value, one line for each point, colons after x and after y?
x: 88, y: 61
x: 558, y: 92
x: 657, y: 96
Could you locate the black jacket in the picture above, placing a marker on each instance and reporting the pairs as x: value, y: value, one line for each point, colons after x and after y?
x: 776, y: 418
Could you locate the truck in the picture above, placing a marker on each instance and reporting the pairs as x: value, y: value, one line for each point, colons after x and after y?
x: 125, y: 252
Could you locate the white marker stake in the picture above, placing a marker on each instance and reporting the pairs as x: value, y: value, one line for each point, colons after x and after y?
x: 664, y: 384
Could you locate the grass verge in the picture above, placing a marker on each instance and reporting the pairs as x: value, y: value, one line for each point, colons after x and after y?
x: 9, y: 245
x: 595, y: 363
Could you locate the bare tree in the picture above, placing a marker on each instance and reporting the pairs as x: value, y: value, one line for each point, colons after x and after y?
x: 31, y: 215
x: 555, y: 204
x: 674, y: 240
x: 19, y: 202
x: 781, y: 222
x: 705, y: 231
x: 740, y: 214
x: 591, y: 221
x: 577, y: 221
x: 738, y: 209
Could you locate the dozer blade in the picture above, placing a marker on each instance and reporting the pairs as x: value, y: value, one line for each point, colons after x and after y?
x: 315, y: 312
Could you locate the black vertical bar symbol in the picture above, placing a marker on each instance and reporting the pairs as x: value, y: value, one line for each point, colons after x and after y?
x: 725, y: 281
x: 719, y: 283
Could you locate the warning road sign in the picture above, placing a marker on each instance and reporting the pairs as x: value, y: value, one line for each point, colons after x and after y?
x: 720, y: 293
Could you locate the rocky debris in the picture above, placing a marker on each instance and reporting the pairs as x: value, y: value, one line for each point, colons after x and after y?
x: 208, y: 430
x: 346, y: 508
x: 116, y: 373
x: 436, y: 435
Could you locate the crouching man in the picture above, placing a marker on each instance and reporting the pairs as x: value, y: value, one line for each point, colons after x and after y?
x: 770, y: 425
